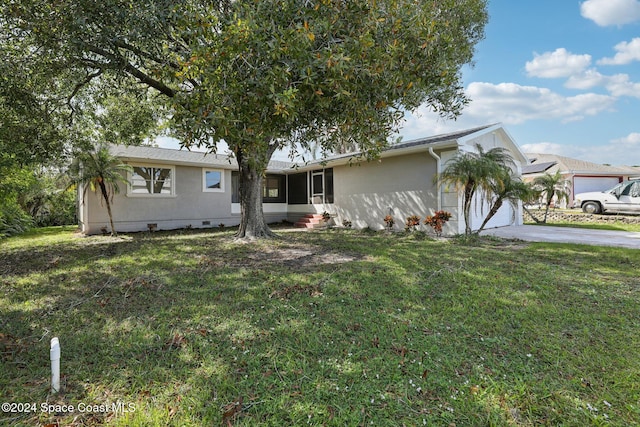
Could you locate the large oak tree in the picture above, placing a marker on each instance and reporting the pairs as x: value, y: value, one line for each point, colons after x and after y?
x: 266, y: 74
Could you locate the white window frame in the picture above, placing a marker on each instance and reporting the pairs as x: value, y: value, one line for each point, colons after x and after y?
x: 204, y: 181
x: 172, y: 187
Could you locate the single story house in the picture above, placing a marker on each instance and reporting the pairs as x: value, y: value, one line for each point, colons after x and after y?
x: 582, y: 176
x: 172, y: 189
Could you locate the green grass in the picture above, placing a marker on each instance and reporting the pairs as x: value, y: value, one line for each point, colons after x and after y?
x: 616, y: 226
x: 609, y: 222
x: 335, y: 328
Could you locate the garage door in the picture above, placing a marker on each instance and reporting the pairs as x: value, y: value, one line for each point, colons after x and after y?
x: 583, y: 184
x: 502, y: 218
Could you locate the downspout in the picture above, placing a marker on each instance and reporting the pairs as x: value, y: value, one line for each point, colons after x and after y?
x: 439, y: 190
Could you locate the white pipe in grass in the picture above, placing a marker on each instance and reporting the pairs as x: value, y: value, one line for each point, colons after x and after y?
x: 55, y: 364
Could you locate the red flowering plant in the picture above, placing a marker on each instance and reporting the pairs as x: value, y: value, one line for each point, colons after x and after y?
x: 388, y: 222
x: 437, y: 220
x: 412, y: 222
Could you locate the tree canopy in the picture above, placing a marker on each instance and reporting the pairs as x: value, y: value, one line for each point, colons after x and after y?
x: 263, y: 75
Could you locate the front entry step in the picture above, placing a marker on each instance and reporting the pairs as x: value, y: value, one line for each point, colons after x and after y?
x: 310, y: 221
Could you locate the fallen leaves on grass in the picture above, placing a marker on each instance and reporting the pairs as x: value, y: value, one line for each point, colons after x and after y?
x: 177, y: 341
x: 231, y: 411
x: 10, y: 346
x: 287, y: 291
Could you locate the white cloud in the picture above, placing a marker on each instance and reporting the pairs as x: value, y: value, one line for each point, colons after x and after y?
x: 559, y: 63
x: 620, y: 85
x: 631, y: 140
x: 514, y: 104
x: 625, y: 150
x: 627, y: 53
x: 611, y: 12
x: 544, y: 148
x: 586, y: 80
x: 424, y: 122
x: 621, y: 151
x: 510, y: 104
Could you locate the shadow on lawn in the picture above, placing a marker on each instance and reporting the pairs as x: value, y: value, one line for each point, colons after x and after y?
x: 117, y: 315
x: 193, y: 325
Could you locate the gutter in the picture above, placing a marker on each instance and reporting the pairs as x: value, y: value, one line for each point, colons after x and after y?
x: 438, y: 167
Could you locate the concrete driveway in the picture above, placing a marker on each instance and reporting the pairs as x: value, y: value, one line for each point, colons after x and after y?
x: 538, y: 233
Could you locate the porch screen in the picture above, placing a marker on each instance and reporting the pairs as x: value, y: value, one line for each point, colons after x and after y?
x: 297, y: 188
x: 328, y: 185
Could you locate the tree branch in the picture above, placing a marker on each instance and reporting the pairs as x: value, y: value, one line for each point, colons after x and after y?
x: 135, y: 72
x: 77, y: 88
x: 143, y: 54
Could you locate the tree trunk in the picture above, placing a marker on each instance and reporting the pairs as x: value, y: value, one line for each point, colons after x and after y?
x: 469, y: 191
x: 494, y: 209
x: 252, y: 222
x: 105, y: 196
x: 531, y: 215
x: 546, y: 211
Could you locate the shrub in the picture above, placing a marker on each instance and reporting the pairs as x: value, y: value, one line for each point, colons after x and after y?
x: 388, y: 222
x: 59, y: 209
x: 346, y: 223
x: 13, y: 220
x: 412, y: 222
x: 437, y: 220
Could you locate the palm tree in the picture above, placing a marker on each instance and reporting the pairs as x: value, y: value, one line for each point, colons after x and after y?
x: 473, y: 171
x: 505, y: 187
x: 552, y: 186
x: 102, y: 172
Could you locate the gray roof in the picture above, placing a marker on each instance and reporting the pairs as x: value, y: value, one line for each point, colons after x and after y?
x: 454, y: 136
x: 432, y: 140
x: 537, y: 167
x: 569, y: 165
x: 184, y: 157
x: 227, y: 161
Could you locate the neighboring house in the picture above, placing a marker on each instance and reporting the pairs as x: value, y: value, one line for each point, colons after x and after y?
x: 171, y: 189
x: 583, y: 176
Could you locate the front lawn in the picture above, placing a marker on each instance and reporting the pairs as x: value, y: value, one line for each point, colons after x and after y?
x: 335, y: 328
x: 614, y: 226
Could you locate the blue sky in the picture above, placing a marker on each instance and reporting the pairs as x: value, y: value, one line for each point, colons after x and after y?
x: 562, y: 76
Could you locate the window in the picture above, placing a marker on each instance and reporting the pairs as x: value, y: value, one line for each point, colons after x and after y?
x: 273, y: 188
x: 151, y: 180
x: 212, y: 180
x: 235, y: 187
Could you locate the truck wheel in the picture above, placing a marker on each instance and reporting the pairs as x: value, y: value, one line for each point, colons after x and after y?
x: 591, y: 208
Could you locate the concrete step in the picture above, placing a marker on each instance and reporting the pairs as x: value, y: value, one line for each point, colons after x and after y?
x: 310, y: 221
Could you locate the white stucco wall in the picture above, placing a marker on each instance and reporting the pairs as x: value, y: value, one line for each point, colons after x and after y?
x: 189, y: 206
x: 399, y: 186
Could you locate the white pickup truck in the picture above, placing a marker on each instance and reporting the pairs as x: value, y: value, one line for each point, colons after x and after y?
x: 623, y: 198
